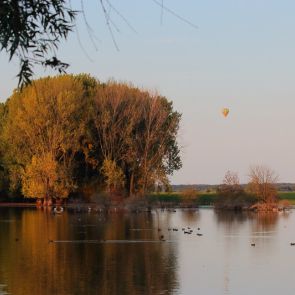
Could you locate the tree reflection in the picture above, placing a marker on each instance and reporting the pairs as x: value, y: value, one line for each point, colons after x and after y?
x: 232, y: 220
x: 260, y: 221
x: 33, y: 265
x: 191, y: 216
x: 266, y: 221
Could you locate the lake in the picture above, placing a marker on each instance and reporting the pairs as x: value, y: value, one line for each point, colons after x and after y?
x: 122, y: 253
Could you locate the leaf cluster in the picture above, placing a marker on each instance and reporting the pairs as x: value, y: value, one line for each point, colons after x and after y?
x: 31, y: 31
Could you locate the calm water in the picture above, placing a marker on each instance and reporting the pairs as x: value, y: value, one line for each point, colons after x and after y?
x: 122, y: 254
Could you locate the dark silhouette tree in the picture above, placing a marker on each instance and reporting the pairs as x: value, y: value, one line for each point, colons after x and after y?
x: 31, y: 32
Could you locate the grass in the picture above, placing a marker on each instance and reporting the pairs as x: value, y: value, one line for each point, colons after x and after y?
x: 172, y: 197
x: 204, y: 199
x: 290, y: 196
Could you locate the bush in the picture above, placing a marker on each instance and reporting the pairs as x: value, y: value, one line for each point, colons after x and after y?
x: 189, y: 196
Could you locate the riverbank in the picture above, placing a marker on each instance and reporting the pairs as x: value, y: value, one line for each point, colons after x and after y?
x: 171, y: 199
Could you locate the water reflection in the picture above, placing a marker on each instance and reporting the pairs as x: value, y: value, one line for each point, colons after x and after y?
x: 32, y: 265
x: 232, y: 220
x: 190, y: 216
x: 3, y: 290
x: 261, y: 222
x: 221, y: 261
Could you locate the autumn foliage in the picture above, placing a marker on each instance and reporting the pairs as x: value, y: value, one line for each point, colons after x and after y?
x: 63, y: 133
x: 262, y: 184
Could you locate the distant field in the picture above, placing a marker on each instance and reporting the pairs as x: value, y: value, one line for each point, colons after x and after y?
x: 206, y: 198
x: 290, y: 196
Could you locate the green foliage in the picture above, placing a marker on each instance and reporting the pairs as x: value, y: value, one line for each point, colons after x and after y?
x: 31, y: 30
x: 287, y: 195
x: 165, y: 198
x: 207, y: 199
x: 175, y: 198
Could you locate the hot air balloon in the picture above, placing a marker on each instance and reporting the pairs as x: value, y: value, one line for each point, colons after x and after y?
x: 225, y: 112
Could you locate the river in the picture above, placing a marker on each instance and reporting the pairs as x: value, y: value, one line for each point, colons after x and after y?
x: 140, y: 253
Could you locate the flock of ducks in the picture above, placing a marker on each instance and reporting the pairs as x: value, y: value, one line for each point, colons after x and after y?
x: 187, y: 230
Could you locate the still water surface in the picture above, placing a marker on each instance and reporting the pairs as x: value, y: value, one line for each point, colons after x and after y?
x: 122, y: 254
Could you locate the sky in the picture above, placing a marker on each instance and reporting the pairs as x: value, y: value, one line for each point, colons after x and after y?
x: 240, y: 56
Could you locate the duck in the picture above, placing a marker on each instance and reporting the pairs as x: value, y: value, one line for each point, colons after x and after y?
x: 58, y: 210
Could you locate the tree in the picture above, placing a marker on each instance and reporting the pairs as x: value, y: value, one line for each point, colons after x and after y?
x: 156, y: 142
x: 231, y: 183
x: 32, y: 30
x: 231, y: 194
x: 45, y: 122
x: 66, y: 133
x: 137, y: 131
x: 4, y: 183
x: 262, y: 183
x: 114, y: 176
x: 41, y: 179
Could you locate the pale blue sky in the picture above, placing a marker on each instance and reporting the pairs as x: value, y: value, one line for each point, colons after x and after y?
x: 241, y: 56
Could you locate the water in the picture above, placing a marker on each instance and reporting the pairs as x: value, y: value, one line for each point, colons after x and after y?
x: 89, y: 253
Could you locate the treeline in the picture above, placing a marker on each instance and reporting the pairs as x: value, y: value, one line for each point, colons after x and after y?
x: 260, y: 193
x: 70, y: 134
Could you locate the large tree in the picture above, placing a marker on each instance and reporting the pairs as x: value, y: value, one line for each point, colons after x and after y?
x: 69, y: 132
x: 138, y: 131
x: 44, y: 124
x: 262, y: 183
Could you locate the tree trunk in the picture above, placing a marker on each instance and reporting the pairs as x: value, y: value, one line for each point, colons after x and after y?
x: 49, y: 202
x: 39, y: 203
x: 131, y: 190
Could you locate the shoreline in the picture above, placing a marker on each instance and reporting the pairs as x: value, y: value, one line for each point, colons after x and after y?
x: 94, y: 207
